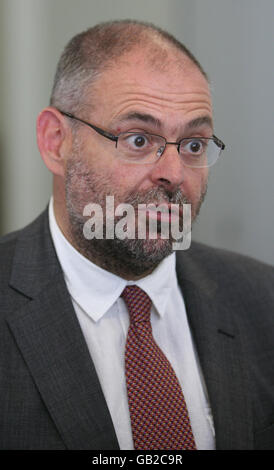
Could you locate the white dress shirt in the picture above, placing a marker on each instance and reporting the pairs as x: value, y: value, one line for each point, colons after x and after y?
x: 104, y: 320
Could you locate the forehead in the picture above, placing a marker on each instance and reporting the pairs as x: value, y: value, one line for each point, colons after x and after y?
x: 171, y: 91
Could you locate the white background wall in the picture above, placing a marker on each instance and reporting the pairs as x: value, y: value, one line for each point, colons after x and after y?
x: 233, y: 39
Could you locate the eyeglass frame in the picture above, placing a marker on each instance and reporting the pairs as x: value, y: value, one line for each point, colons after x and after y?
x: 115, y: 138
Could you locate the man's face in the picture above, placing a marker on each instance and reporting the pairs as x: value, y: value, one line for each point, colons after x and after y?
x: 134, y: 96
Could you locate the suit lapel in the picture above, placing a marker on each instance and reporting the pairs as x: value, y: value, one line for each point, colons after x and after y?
x: 219, y: 347
x: 50, y: 339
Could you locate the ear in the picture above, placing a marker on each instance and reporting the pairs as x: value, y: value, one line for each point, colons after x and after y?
x: 54, y: 139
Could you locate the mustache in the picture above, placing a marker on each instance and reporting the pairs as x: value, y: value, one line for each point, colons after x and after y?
x: 158, y: 196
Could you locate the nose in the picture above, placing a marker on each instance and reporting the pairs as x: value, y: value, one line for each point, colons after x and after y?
x: 168, y: 170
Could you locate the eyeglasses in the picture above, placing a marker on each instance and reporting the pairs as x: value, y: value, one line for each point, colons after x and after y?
x: 146, y: 148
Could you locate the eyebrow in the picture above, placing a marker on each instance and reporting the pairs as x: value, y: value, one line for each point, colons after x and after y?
x: 148, y: 118
x: 199, y: 122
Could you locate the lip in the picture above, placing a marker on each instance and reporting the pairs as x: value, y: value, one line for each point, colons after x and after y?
x: 172, y: 213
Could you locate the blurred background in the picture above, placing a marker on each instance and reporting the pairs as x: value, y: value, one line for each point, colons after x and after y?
x: 233, y: 40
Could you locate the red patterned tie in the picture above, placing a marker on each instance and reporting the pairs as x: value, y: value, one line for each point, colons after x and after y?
x: 159, y: 417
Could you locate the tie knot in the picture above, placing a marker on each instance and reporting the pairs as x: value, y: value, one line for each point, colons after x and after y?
x: 138, y: 303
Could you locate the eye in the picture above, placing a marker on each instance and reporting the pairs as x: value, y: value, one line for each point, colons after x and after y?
x: 136, y: 146
x: 193, y: 146
x: 136, y: 141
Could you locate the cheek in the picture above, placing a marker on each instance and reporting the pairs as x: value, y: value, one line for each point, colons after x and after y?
x: 121, y: 176
x: 195, y: 182
x: 128, y: 178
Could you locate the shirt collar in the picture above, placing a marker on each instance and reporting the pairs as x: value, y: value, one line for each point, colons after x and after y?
x: 94, y: 289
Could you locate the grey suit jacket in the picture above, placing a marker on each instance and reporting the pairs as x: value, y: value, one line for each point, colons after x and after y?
x: 50, y: 396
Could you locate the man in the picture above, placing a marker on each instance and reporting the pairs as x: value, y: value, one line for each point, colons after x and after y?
x: 80, y: 366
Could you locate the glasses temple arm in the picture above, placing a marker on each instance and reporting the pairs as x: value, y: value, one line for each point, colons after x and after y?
x: 218, y: 142
x: 106, y: 134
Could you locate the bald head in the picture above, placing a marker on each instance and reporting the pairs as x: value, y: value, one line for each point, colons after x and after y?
x: 92, y: 52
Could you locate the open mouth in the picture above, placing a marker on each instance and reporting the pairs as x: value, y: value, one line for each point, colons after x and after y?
x: 166, y: 212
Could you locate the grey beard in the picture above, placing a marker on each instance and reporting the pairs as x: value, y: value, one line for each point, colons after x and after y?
x: 127, y: 257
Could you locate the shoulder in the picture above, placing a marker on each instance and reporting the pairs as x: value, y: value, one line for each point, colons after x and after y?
x: 221, y: 262
x: 26, y: 236
x: 30, y: 230
x: 7, y: 249
x: 237, y: 287
x: 237, y: 278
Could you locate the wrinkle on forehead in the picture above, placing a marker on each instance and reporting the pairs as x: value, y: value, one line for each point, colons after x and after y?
x: 170, y: 99
x: 124, y: 99
x: 185, y: 104
x: 178, y: 90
